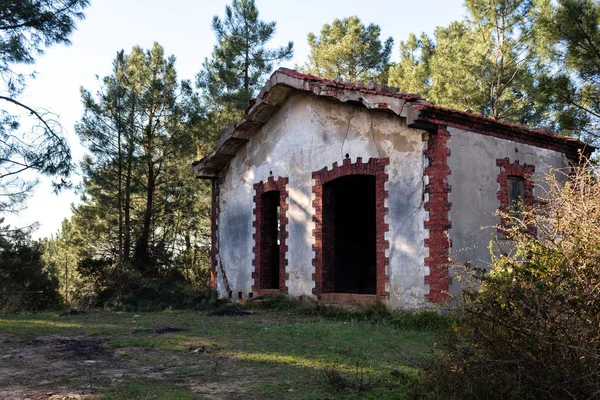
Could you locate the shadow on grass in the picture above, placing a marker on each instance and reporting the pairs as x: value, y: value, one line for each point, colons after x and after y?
x: 274, y: 353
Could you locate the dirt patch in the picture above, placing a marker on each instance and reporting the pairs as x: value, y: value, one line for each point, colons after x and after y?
x: 82, y: 348
x: 47, y: 366
x: 159, y: 331
x: 51, y: 367
x: 72, y: 312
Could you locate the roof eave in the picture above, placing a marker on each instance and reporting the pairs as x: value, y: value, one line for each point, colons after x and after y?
x: 418, y: 113
x: 278, y: 88
x: 425, y: 116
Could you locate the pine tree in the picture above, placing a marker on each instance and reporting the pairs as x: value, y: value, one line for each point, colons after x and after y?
x: 61, y: 252
x: 26, y: 28
x: 142, y: 131
x: 240, y: 60
x: 572, y: 29
x: 488, y: 63
x: 412, y: 73
x: 28, y: 283
x: 350, y: 50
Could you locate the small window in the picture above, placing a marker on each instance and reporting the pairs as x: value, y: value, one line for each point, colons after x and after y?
x: 516, y: 196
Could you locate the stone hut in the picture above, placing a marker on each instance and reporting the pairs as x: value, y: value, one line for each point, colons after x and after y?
x: 352, y: 193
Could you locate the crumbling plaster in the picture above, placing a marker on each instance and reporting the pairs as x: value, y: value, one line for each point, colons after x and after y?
x: 474, y: 190
x: 306, y: 134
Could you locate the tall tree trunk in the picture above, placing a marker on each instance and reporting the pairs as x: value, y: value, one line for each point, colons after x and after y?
x: 142, y: 248
x: 127, y: 206
x: 120, y: 173
x: 128, y: 177
x: 67, y: 282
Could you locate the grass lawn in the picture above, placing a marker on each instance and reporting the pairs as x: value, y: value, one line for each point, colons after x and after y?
x: 192, y: 355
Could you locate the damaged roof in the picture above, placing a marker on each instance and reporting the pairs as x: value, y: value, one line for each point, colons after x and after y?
x: 419, y: 114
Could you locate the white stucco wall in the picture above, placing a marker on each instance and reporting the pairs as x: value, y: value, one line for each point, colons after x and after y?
x: 306, y: 135
x: 474, y: 189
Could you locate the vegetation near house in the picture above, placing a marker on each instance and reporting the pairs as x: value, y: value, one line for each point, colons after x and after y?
x: 533, y: 327
x: 140, y: 127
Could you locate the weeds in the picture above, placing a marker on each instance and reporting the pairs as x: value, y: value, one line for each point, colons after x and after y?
x: 356, y: 382
x: 377, y: 313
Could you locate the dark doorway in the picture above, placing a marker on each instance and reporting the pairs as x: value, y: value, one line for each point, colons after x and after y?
x: 270, y: 232
x: 349, y: 235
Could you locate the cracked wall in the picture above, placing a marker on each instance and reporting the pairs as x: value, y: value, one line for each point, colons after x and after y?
x: 474, y: 195
x: 306, y: 135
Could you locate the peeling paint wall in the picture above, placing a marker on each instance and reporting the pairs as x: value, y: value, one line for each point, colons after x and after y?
x: 306, y: 135
x: 474, y: 189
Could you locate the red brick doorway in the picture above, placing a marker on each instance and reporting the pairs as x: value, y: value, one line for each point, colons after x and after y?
x: 349, y: 233
x: 324, y: 246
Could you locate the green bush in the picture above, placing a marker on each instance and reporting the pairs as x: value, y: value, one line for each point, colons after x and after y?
x: 165, y: 294
x: 532, y: 330
x: 26, y: 283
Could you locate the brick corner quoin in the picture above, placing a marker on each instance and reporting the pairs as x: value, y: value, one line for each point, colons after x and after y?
x: 438, y: 206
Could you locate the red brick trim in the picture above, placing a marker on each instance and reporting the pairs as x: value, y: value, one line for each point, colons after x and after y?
x: 438, y: 206
x: 515, y: 169
x: 260, y: 188
x: 375, y: 167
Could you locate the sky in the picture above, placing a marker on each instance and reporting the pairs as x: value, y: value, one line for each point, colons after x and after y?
x: 183, y: 28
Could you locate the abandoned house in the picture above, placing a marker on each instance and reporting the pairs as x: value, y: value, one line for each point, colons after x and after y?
x: 353, y: 193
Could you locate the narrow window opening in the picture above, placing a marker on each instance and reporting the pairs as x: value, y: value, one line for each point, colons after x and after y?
x: 516, y: 196
x: 349, y: 235
x: 271, y: 240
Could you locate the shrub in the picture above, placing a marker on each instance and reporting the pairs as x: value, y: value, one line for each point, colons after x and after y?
x: 165, y: 294
x: 532, y: 330
x: 25, y: 280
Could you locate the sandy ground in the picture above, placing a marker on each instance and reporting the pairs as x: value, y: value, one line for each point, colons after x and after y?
x: 79, y: 367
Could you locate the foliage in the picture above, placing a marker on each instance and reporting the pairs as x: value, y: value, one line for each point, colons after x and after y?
x: 350, y: 50
x: 143, y: 217
x: 28, y: 27
x: 572, y: 31
x: 489, y: 63
x: 142, y: 206
x: 412, y: 73
x: 28, y: 283
x: 532, y: 62
x: 61, y: 252
x: 240, y: 60
x: 166, y: 294
x: 533, y: 328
